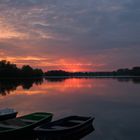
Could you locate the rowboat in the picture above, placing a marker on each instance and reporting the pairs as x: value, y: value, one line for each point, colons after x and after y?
x: 23, y: 125
x: 7, y: 113
x: 65, y: 127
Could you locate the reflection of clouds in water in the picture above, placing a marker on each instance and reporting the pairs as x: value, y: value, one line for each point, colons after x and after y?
x: 115, y: 105
x: 8, y: 86
x: 72, y: 84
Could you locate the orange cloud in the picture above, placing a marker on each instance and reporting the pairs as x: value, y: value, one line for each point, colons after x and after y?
x: 8, y: 32
x: 47, y: 63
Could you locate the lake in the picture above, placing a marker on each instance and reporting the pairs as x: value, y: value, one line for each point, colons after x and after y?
x: 115, y: 103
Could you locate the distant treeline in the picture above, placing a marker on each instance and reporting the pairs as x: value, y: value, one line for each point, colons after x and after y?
x: 135, y: 71
x: 8, y: 69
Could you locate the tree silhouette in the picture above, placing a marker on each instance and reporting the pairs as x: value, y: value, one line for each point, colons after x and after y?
x: 11, y: 70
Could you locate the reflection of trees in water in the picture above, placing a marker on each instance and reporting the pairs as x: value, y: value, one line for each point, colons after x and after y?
x: 135, y: 80
x: 9, y: 85
x: 59, y: 79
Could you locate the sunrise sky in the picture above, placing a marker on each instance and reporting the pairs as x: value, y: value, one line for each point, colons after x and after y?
x: 72, y: 35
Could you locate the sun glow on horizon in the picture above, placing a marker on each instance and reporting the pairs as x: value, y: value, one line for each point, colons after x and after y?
x: 46, y: 63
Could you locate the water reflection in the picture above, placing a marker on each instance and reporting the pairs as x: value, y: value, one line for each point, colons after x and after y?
x: 10, y: 85
x: 135, y: 80
x: 114, y: 102
x: 121, y: 79
x: 56, y: 79
x: 78, y: 136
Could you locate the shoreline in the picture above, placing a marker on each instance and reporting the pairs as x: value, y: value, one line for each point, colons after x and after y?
x: 91, y: 76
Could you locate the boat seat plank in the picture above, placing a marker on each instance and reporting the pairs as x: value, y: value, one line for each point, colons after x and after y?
x: 76, y: 121
x: 14, y: 122
x: 27, y: 120
x: 81, y: 118
x: 68, y: 124
x: 9, y: 126
x: 58, y: 127
x: 40, y: 115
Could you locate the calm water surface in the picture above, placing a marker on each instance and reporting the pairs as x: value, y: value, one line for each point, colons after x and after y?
x: 114, y: 103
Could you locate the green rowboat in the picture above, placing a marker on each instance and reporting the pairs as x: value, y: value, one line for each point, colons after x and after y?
x: 23, y: 125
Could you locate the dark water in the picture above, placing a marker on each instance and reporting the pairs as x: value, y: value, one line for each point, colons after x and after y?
x: 115, y: 103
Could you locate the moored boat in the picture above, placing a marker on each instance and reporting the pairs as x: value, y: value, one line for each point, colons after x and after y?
x: 23, y: 125
x: 7, y: 113
x: 65, y: 127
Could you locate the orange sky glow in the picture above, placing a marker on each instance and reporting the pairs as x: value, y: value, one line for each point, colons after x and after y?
x: 42, y: 63
x: 39, y: 62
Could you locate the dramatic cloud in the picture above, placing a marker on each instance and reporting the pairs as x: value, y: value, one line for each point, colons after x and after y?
x: 74, y: 35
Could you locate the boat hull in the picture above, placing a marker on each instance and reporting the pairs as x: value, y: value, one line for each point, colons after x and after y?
x: 65, y: 133
x: 23, y: 131
x: 8, y: 116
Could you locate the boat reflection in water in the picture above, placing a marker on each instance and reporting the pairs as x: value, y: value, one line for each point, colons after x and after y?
x: 77, y: 136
